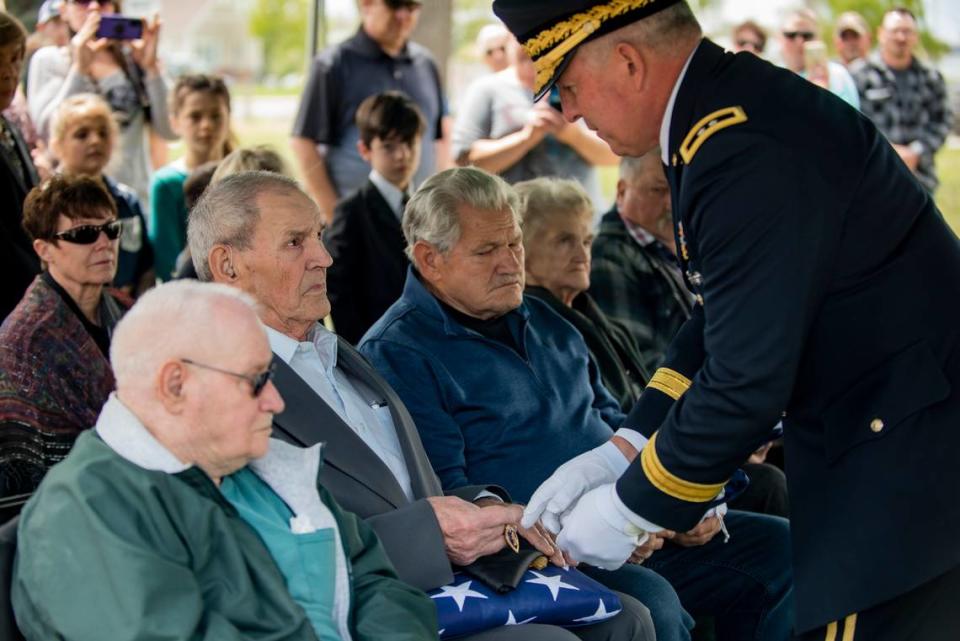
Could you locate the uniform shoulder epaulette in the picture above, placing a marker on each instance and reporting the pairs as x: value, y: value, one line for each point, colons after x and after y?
x: 707, y: 126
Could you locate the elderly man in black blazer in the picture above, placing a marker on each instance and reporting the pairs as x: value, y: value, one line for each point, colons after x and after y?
x: 374, y: 462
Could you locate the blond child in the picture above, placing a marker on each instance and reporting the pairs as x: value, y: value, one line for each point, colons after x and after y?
x: 83, y: 136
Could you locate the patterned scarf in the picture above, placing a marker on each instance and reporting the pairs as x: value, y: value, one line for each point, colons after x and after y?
x: 53, y: 382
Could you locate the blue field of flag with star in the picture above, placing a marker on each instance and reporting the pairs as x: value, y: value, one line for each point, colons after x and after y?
x: 553, y: 595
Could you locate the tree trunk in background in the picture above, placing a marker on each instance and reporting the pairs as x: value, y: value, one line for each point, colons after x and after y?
x: 434, y: 32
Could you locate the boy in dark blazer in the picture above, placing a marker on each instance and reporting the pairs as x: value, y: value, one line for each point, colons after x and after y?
x: 365, y: 238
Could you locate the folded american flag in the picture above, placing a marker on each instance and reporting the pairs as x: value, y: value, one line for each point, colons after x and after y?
x: 552, y: 595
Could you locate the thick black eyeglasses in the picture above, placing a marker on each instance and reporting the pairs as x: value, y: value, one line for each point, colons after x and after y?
x: 88, y: 234
x: 807, y: 36
x: 257, y: 381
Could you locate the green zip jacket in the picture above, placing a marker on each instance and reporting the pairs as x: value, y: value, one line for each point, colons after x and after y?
x: 109, y: 550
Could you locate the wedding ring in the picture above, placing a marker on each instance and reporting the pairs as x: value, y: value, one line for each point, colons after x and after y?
x: 511, y: 537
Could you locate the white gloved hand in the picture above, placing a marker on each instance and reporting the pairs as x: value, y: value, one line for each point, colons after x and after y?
x: 597, y: 531
x: 556, y: 495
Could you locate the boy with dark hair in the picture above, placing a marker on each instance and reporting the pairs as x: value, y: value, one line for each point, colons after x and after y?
x: 365, y: 238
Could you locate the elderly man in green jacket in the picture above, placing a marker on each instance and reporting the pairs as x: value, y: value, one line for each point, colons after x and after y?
x: 177, y: 517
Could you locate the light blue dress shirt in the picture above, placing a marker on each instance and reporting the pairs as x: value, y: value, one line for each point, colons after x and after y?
x: 315, y: 360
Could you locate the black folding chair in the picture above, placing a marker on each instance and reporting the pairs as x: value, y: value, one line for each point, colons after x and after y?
x: 10, y: 507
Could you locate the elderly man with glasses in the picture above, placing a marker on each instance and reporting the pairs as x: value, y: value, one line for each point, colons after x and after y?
x: 374, y: 462
x: 177, y: 517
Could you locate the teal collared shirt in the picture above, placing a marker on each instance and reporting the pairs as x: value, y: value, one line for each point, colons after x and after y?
x: 277, y: 496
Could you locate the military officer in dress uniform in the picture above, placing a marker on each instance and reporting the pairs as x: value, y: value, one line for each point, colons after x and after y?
x: 829, y: 295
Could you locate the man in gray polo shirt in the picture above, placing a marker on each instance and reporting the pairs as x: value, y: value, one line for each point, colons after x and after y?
x: 378, y: 58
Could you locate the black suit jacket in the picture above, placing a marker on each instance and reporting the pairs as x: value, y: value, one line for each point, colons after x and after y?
x: 830, y: 294
x: 360, y: 481
x: 369, y: 264
x: 18, y: 262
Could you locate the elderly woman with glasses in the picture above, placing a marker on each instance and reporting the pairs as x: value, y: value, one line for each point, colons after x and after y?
x: 557, y: 226
x: 54, y: 368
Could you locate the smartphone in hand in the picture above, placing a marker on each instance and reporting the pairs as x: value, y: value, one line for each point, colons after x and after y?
x: 554, y: 100
x: 815, y: 63
x: 117, y: 27
x: 814, y: 54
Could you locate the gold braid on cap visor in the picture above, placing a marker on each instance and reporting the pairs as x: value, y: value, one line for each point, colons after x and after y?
x: 566, y: 35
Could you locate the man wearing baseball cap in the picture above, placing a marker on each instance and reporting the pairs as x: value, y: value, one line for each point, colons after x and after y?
x: 851, y: 38
x: 826, y: 282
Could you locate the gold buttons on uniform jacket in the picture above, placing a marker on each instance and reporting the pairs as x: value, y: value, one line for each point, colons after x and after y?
x: 876, y: 425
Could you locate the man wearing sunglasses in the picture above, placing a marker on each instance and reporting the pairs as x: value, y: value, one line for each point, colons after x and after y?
x: 379, y: 57
x: 804, y: 53
x: 177, y: 516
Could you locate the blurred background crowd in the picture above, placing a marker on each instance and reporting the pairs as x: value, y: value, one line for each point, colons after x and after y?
x: 267, y: 67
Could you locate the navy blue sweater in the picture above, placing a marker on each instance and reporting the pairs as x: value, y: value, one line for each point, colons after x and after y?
x: 486, y: 413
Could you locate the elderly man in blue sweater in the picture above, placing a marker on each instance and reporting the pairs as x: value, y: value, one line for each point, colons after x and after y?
x: 503, y: 390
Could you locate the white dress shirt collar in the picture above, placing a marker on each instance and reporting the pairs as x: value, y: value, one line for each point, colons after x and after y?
x: 323, y: 340
x: 668, y: 113
x: 126, y: 435
x: 393, y: 195
x: 367, y: 415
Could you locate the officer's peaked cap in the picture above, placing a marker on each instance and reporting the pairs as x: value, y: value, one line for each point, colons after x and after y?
x: 551, y: 30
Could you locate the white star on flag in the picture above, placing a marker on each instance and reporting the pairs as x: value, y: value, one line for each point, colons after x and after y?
x: 552, y: 583
x: 459, y: 593
x: 600, y: 615
x: 511, y: 620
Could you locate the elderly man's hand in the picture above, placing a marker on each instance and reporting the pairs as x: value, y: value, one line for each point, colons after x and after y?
x: 653, y: 543
x: 470, y: 531
x: 537, y: 535
x: 700, y: 535
x: 540, y: 538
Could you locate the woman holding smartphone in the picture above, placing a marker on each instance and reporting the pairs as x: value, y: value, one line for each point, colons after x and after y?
x: 124, y: 72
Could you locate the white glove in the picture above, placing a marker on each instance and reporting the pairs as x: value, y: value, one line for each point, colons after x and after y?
x: 556, y: 495
x: 598, y: 532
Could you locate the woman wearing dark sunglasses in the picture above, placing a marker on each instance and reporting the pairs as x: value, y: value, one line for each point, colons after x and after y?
x: 54, y: 368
